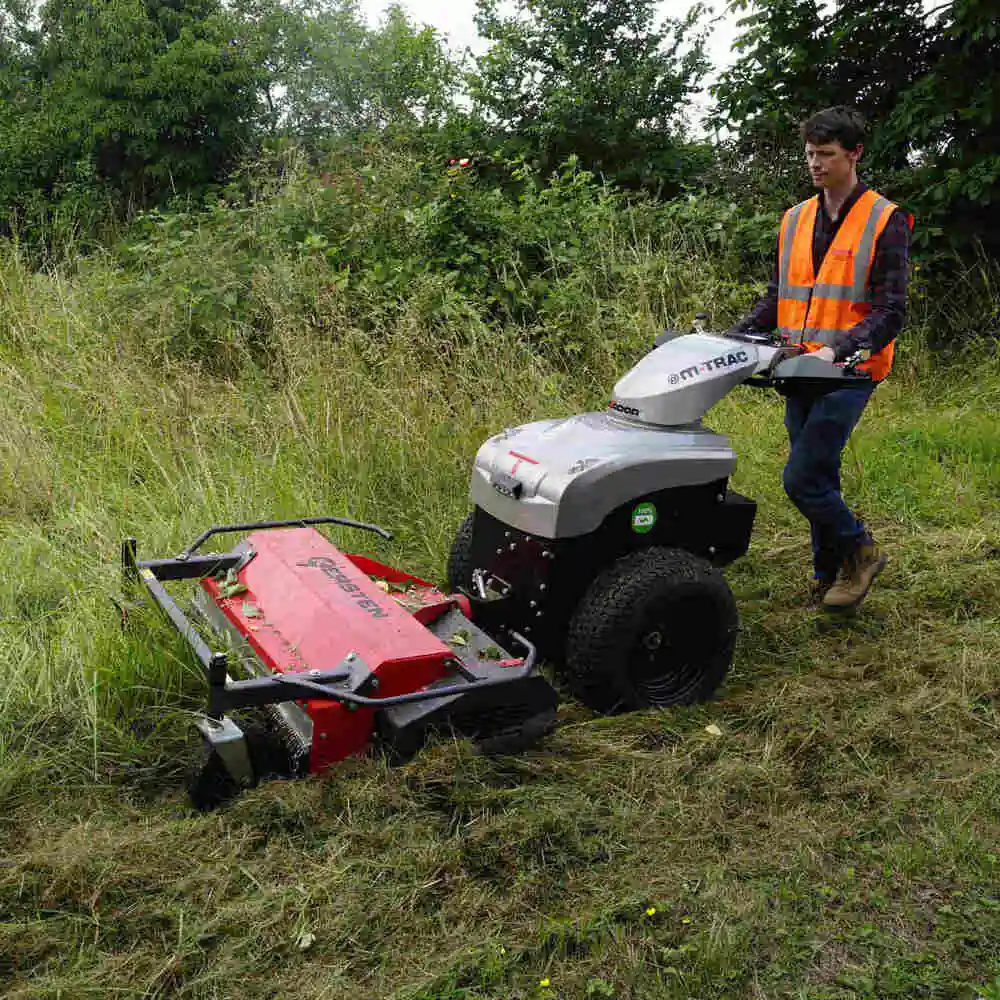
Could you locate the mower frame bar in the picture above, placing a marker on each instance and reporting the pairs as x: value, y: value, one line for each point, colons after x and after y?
x: 227, y: 695
x: 187, y: 569
x: 223, y: 529
x: 350, y: 698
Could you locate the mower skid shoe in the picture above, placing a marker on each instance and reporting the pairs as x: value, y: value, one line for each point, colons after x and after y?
x: 227, y: 767
x: 524, y: 716
x: 243, y: 754
x: 226, y: 739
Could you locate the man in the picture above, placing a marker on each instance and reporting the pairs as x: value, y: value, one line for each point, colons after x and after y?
x: 839, y: 288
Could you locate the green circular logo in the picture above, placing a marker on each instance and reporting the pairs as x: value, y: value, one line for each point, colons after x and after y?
x: 643, y: 518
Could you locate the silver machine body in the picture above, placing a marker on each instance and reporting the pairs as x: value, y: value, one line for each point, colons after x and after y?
x: 560, y: 478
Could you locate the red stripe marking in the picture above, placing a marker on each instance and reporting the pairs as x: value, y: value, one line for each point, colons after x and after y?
x: 524, y: 458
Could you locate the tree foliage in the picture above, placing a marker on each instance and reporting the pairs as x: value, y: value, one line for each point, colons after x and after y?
x: 124, y: 101
x: 110, y: 106
x: 599, y: 80
x: 929, y: 83
x: 340, y: 77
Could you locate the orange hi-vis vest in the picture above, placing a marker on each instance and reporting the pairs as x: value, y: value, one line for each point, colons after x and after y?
x: 813, y: 309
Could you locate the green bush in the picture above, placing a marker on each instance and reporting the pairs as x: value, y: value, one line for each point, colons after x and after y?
x: 383, y: 238
x: 105, y: 108
x: 379, y: 240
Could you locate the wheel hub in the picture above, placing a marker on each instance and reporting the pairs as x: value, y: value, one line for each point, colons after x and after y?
x: 653, y: 640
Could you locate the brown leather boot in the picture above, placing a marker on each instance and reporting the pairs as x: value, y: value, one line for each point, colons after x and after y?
x: 855, y: 578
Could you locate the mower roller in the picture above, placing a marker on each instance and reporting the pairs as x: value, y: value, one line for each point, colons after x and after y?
x: 595, y: 541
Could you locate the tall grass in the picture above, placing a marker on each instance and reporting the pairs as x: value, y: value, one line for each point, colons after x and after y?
x: 837, y: 841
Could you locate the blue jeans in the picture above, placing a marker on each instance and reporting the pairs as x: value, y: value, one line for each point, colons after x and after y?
x: 818, y: 429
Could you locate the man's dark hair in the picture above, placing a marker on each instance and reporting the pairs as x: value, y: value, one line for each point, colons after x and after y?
x: 838, y: 124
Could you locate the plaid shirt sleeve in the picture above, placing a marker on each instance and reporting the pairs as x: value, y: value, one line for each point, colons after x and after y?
x: 887, y: 284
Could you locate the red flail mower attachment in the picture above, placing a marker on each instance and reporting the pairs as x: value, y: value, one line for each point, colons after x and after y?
x: 328, y: 655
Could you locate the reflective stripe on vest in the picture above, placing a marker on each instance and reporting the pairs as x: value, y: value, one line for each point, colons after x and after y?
x: 815, y: 309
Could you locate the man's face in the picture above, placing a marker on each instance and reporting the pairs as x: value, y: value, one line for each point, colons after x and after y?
x: 830, y: 165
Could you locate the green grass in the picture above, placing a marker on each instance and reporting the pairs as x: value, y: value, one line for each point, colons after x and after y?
x: 838, y: 840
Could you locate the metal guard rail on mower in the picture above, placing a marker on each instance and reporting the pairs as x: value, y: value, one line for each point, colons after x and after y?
x: 225, y: 694
x: 223, y: 529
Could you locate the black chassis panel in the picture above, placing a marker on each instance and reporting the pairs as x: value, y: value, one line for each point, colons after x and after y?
x: 548, y: 577
x: 480, y: 712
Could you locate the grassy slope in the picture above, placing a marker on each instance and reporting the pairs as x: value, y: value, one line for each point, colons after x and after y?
x: 838, y: 840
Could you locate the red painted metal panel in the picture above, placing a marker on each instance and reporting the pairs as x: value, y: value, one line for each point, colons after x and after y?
x: 337, y: 733
x: 307, y: 605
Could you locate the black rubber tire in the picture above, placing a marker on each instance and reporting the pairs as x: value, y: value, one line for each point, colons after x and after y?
x: 211, y: 785
x: 460, y: 558
x: 661, y: 595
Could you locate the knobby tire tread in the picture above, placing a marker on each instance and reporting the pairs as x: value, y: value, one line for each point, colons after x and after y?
x: 460, y: 558
x: 610, y: 614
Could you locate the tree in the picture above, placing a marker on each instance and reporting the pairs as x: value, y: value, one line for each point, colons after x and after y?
x: 592, y: 78
x: 340, y: 77
x: 948, y: 123
x: 16, y: 41
x: 929, y: 84
x: 125, y: 101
